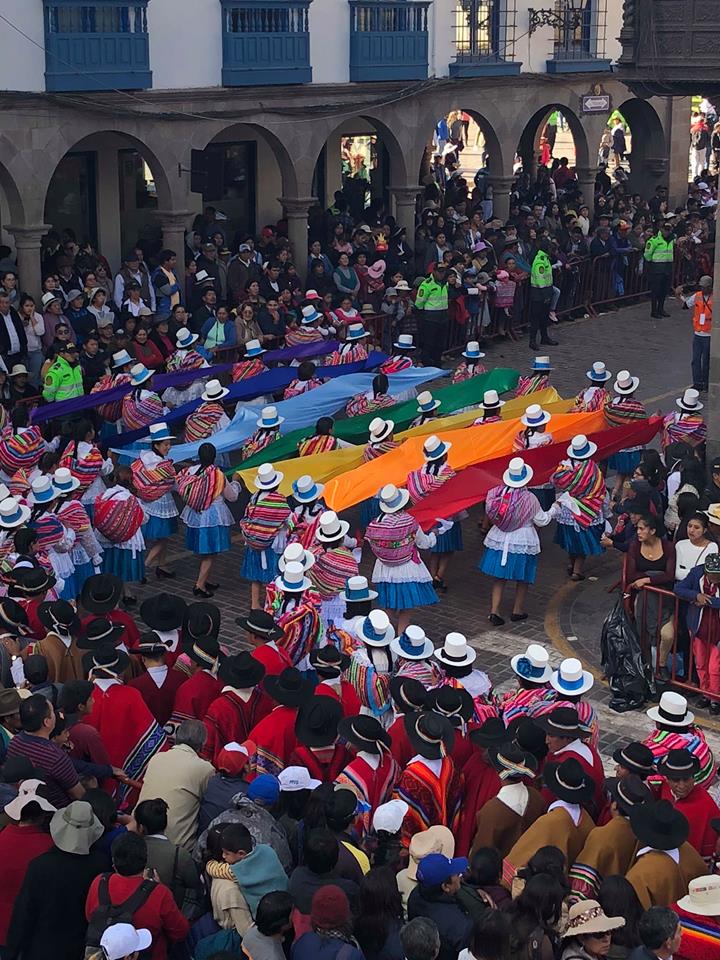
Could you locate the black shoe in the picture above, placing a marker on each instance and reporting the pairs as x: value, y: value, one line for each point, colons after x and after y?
x: 517, y: 617
x: 533, y: 345
x: 702, y: 702
x: 198, y: 592
x: 547, y: 342
x: 664, y: 314
x: 212, y: 586
x: 655, y: 316
x: 495, y: 620
x: 163, y: 574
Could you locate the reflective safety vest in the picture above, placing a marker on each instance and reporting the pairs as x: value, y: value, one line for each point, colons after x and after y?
x: 702, y: 314
x: 63, y: 382
x: 659, y: 250
x: 541, y: 270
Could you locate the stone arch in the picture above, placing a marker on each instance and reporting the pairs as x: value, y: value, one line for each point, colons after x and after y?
x: 9, y: 187
x: 528, y: 141
x: 273, y: 138
x: 648, y: 150
x: 487, y: 119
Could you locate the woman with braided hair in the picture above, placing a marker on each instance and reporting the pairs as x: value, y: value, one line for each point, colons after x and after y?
x: 154, y: 480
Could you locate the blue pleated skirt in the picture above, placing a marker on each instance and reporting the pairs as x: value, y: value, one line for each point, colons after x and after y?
x: 206, y: 541
x: 579, y: 543
x: 625, y: 461
x: 405, y: 596
x: 518, y: 566
x: 70, y: 589
x: 449, y: 542
x: 122, y: 563
x: 159, y: 528
x: 369, y: 509
x: 82, y: 572
x: 252, y: 567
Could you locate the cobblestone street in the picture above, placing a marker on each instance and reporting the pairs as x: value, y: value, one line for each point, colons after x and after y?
x: 567, y: 616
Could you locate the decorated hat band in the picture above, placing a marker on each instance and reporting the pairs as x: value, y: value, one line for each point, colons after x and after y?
x: 202, y: 655
x: 570, y: 684
x: 356, y: 594
x: 526, y: 669
x: 407, y: 646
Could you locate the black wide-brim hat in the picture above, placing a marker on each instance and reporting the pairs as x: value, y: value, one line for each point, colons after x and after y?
x: 431, y: 734
x: 241, y: 671
x: 329, y: 659
x: 100, y: 630
x: 54, y: 613
x: 204, y: 650
x: 678, y: 765
x: 510, y: 759
x: 13, y: 616
x: 364, y: 732
x: 529, y: 736
x: 635, y: 757
x: 163, y: 612
x: 106, y: 656
x: 31, y: 581
x: 562, y: 722
x: 101, y: 593
x: 201, y: 622
x: 316, y: 724
x: 568, y: 781
x: 408, y: 694
x: 491, y: 733
x: 659, y: 825
x: 289, y: 687
x: 628, y: 792
x: 451, y: 702
x: 260, y: 624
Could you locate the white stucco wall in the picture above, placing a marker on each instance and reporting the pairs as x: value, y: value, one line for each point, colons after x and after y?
x: 185, y: 43
x: 22, y: 63
x: 330, y: 41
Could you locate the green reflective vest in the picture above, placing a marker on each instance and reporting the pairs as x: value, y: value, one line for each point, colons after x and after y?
x: 63, y: 382
x: 659, y: 250
x: 541, y: 270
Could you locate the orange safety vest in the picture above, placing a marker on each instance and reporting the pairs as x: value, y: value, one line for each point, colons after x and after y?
x: 702, y: 314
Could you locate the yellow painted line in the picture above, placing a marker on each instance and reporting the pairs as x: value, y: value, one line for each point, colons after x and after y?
x: 557, y: 638
x: 665, y: 396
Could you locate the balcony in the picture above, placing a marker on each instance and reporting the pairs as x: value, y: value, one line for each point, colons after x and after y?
x: 484, y: 37
x: 388, y: 40
x: 265, y: 42
x: 99, y: 47
x: 579, y: 45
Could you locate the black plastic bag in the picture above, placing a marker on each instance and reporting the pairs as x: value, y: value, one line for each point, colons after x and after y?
x: 622, y: 662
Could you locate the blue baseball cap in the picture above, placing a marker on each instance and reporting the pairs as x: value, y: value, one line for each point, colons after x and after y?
x: 265, y: 789
x: 436, y: 868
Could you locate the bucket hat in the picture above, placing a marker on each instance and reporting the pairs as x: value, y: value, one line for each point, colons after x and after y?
x: 75, y: 828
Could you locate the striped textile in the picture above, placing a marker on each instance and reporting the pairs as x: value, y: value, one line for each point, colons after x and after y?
x: 684, y: 428
x: 591, y: 399
x: 300, y: 335
x: 371, y: 686
x: 301, y: 626
x: 19, y: 485
x: 392, y: 538
x: 395, y: 365
x: 117, y: 520
x: 362, y: 404
x: 258, y: 441
x: 517, y: 703
x: 246, y: 369
x: 358, y: 353
x: 585, y: 881
x: 421, y: 482
x: 521, y: 441
x: 152, y: 483
x: 700, y: 936
x: 110, y: 411
x: 345, y: 642
x: 184, y: 360
x: 302, y: 525
x: 21, y: 450
x: 297, y: 387
x: 427, y: 672
x: 621, y: 411
x: 74, y: 516
x: 663, y: 741
x: 199, y: 490
x: 85, y: 469
x: 510, y: 508
x: 431, y: 799
x: 316, y: 444
x: 201, y: 423
x: 526, y: 385
x: 331, y: 570
x: 50, y: 530
x: 462, y: 372
x: 265, y: 516
x: 371, y: 787
x: 586, y: 712
x: 140, y: 411
x: 586, y: 485
x: 374, y: 450
x: 3, y: 417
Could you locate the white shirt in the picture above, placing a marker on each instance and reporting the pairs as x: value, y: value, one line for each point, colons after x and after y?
x: 673, y: 854
x: 435, y: 766
x: 158, y: 674
x: 688, y: 556
x: 579, y: 748
x: 371, y: 759
x: 12, y: 334
x: 573, y: 809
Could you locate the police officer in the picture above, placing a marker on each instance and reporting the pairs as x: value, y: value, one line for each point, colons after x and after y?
x: 541, y: 283
x: 64, y: 380
x: 659, y: 254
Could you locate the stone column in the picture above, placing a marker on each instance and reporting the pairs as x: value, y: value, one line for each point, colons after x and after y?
x: 405, y: 202
x: 296, y: 211
x: 27, y: 245
x: 586, y: 179
x: 713, y: 411
x: 174, y: 224
x: 501, y: 196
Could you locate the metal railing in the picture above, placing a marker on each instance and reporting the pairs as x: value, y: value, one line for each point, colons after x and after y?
x: 385, y: 16
x: 484, y: 30
x: 580, y: 36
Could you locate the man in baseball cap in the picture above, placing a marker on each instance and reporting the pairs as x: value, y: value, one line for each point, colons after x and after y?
x: 122, y: 940
x: 435, y: 897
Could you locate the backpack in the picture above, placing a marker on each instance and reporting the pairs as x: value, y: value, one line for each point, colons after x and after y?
x: 106, y: 913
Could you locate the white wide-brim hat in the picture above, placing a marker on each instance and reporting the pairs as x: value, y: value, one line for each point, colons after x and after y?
x: 518, y: 473
x: 182, y: 341
x: 357, y: 590
x: 412, y: 644
x: 535, y: 416
x: 296, y: 553
x: 380, y: 428
x: 391, y: 499
x: 672, y: 711
x: 491, y: 400
x: 455, y: 651
x: 581, y: 448
x: 689, y: 402
x: 375, y: 629
x: 703, y: 897
x: 64, y: 482
x: 570, y: 678
x: 624, y: 383
x: 434, y: 448
x: 426, y: 402
x: 214, y: 390
x: 293, y: 579
x: 598, y: 373
x: 472, y: 351
x: 331, y: 527
x: 268, y: 477
x: 306, y: 490
x: 269, y: 417
x: 13, y: 513
x: 533, y: 665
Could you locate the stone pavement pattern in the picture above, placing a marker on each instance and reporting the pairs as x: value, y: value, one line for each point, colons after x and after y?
x: 658, y: 352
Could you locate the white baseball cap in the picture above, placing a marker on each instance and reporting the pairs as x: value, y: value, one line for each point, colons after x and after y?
x: 293, y: 779
x: 122, y: 939
x: 389, y: 816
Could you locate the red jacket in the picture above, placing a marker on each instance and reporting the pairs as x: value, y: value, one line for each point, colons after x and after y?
x: 232, y: 718
x: 193, y: 699
x: 132, y: 634
x: 18, y: 846
x: 699, y: 808
x: 159, y: 914
x: 272, y: 658
x: 348, y: 698
x: 160, y: 699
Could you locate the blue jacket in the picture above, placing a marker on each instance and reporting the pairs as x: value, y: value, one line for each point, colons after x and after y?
x: 228, y: 329
x: 688, y: 589
x: 311, y: 946
x: 164, y: 292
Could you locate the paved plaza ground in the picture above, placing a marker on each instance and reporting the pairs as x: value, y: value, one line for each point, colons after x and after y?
x: 564, y: 615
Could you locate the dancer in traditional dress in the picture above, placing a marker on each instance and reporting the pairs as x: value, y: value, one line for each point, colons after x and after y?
x: 159, y: 683
x: 306, y: 506
x: 457, y: 657
x: 334, y: 565
x: 582, y: 498
x: 185, y: 359
x: 568, y: 685
x: 539, y: 378
x: 413, y: 652
x: 118, y: 519
x: 204, y: 490
x: 512, y: 545
x: 402, y: 359
x: 251, y: 365
x: 353, y: 350
x: 426, y: 409
x: 685, y: 425
x: 322, y: 441
x: 408, y: 695
x: 263, y: 527
x: 381, y: 441
x: 372, y: 773
x: 307, y: 331
x: 533, y: 671
x: 377, y: 398
x: 141, y: 407
x: 295, y: 607
x: 358, y: 599
x: 194, y: 697
x: 675, y: 729
x: 371, y: 665
x: 330, y: 664
x: 110, y: 412
x: 242, y: 704
x: 318, y: 748
x: 491, y: 408
x: 154, y: 481
x: 535, y: 434
x: 402, y: 580
x: 621, y: 411
x: 21, y: 446
x: 86, y: 553
x: 274, y: 735
x: 268, y: 431
x: 210, y: 417
x: 469, y: 367
x: 83, y: 458
x: 304, y: 382
x: 595, y: 397
x: 421, y: 483
x: 54, y: 537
